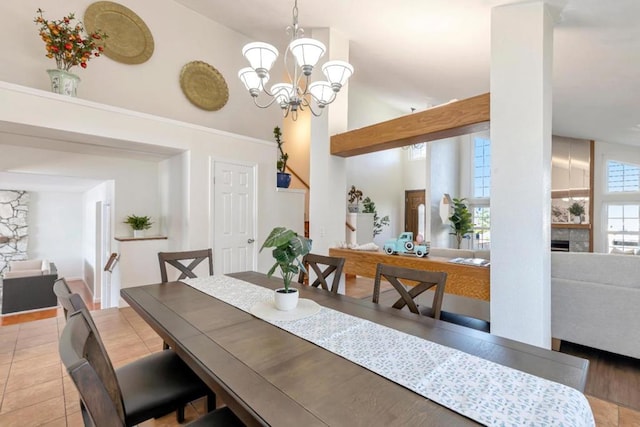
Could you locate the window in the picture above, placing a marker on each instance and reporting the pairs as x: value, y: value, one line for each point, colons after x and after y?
x: 481, y: 187
x: 623, y: 226
x: 481, y: 166
x: 418, y: 151
x: 622, y: 207
x: 622, y: 177
x: 481, y: 227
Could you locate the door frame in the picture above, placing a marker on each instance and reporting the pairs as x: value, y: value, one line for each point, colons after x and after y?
x: 212, y: 196
x: 406, y: 206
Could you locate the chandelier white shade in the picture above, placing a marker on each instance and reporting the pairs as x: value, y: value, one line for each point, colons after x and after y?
x: 297, y: 95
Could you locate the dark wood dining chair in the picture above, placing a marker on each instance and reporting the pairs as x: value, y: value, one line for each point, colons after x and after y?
x: 332, y: 265
x: 425, y: 281
x: 147, y: 388
x: 70, y: 302
x: 190, y: 259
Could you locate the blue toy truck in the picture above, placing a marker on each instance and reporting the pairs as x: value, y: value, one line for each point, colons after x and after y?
x: 404, y: 244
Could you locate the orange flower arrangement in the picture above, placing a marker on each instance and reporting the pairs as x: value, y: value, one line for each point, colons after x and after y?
x: 67, y: 43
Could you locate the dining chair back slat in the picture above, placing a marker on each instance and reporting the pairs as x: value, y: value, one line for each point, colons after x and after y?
x: 146, y: 388
x: 424, y: 280
x: 179, y: 261
x: 315, y: 262
x: 84, y: 356
x: 70, y: 302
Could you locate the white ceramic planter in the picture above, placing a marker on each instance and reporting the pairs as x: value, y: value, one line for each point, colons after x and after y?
x: 63, y: 82
x: 286, y: 301
x: 138, y: 234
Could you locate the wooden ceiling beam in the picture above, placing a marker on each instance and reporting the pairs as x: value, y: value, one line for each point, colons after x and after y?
x: 453, y: 119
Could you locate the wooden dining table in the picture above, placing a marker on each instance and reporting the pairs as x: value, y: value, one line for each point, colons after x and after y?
x: 269, y: 376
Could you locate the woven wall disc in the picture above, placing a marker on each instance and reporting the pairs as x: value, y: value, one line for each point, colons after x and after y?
x: 204, y: 86
x: 130, y: 40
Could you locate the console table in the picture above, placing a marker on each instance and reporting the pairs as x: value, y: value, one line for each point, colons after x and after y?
x: 464, y: 280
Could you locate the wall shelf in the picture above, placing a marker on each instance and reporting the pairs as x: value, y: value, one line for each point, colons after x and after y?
x: 131, y: 239
x: 569, y: 225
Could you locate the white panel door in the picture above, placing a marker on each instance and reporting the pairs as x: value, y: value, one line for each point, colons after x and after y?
x: 234, y: 216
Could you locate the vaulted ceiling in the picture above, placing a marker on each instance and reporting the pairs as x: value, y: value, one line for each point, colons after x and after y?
x: 416, y: 53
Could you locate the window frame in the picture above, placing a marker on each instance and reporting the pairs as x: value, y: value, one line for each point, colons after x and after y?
x: 617, y: 198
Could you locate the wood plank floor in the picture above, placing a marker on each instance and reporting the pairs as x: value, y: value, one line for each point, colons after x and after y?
x: 35, y: 390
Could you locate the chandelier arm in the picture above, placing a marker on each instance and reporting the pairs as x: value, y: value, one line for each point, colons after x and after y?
x: 267, y: 105
x: 333, y: 98
x: 306, y: 104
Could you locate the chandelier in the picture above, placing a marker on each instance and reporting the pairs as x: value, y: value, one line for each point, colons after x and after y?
x: 297, y: 95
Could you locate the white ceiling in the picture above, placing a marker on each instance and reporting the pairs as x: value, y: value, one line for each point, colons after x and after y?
x: 417, y: 53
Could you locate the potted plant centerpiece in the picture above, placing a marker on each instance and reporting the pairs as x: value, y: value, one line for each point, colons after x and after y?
x: 289, y: 247
x: 461, y: 221
x: 138, y: 224
x: 69, y: 45
x: 577, y: 210
x: 283, y: 178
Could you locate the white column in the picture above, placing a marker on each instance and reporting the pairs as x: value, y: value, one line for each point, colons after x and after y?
x: 327, y: 173
x: 521, y: 78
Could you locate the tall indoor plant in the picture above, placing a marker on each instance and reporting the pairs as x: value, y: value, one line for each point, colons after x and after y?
x: 461, y: 221
x: 283, y: 178
x: 289, y: 248
x: 67, y: 43
x: 378, y: 222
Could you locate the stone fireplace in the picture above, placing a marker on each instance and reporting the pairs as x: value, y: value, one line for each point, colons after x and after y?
x: 14, y: 209
x: 570, y: 239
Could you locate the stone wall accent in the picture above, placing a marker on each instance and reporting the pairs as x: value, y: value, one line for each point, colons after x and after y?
x: 14, y: 209
x: 578, y: 238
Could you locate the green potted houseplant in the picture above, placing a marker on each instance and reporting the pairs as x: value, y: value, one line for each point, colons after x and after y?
x: 577, y: 210
x: 138, y: 224
x: 283, y: 178
x: 288, y: 250
x: 461, y: 221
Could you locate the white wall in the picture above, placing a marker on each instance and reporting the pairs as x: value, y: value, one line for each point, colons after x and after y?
x: 91, y: 265
x: 138, y: 178
x: 55, y: 230
x: 180, y: 36
x: 379, y: 176
x: 445, y: 162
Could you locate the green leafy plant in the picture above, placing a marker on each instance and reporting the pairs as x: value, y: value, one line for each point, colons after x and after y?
x: 461, y: 221
x: 576, y: 209
x: 139, y: 222
x: 281, y: 164
x: 289, y: 247
x: 67, y: 43
x: 378, y: 223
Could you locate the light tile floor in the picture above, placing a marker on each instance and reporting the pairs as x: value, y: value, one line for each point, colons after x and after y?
x: 35, y: 390
x: 34, y: 387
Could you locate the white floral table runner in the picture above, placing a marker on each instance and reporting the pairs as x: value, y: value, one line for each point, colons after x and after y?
x: 487, y: 392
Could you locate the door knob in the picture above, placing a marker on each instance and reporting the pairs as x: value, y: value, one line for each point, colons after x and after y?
x: 250, y: 240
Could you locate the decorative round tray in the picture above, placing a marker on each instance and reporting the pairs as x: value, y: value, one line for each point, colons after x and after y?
x: 129, y: 39
x: 267, y: 310
x: 204, y: 86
